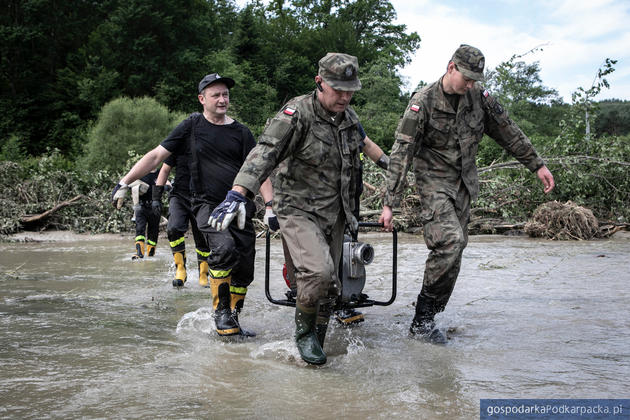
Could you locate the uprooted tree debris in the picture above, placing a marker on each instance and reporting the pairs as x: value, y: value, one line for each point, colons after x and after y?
x: 554, y: 220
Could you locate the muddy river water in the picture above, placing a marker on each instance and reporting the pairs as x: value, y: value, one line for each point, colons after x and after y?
x: 85, y: 332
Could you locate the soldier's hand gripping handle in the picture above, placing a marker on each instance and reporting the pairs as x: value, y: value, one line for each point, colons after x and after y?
x: 271, y: 220
x: 232, y: 207
x: 119, y: 193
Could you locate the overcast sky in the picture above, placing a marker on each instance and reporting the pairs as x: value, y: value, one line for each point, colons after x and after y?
x: 578, y: 35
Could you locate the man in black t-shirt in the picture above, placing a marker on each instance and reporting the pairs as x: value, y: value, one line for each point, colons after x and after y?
x: 218, y: 146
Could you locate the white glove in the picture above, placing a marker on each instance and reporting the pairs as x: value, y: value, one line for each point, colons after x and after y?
x: 271, y: 220
x: 119, y: 193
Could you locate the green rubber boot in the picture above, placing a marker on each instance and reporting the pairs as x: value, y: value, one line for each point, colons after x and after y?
x: 323, y: 317
x: 305, y: 336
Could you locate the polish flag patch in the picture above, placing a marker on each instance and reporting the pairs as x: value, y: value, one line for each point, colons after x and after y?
x: 289, y: 111
x: 415, y: 108
x: 486, y: 93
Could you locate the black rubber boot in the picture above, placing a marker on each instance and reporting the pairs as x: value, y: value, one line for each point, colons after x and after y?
x: 223, y: 319
x: 427, y: 330
x: 225, y: 323
x: 305, y: 338
x: 423, y: 325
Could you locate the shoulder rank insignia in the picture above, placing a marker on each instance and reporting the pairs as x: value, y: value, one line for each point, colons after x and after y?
x: 415, y: 107
x: 289, y: 111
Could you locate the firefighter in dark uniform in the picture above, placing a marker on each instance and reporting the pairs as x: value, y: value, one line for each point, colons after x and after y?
x: 180, y: 215
x: 147, y: 222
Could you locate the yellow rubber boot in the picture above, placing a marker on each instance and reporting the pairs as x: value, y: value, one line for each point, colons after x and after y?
x: 203, y: 273
x: 180, y: 269
x: 150, y: 250
x: 139, y: 250
x: 225, y: 323
x: 237, y: 298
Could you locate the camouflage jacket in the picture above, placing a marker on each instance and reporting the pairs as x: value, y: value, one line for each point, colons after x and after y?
x: 317, y: 158
x: 443, y: 142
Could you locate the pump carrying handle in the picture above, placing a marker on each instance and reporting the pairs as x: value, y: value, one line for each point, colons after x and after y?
x: 365, y: 303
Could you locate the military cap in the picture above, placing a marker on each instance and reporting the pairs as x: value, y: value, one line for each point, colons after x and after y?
x: 340, y: 71
x: 469, y: 61
x: 209, y: 79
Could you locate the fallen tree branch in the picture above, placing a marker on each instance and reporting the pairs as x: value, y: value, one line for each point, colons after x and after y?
x: 369, y: 186
x: 515, y: 164
x: 37, y: 217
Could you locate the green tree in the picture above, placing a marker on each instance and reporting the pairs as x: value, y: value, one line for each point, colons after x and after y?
x: 613, y: 118
x: 36, y: 37
x: 576, y: 135
x: 535, y: 108
x: 126, y: 125
x: 283, y: 42
x: 518, y: 87
x: 379, y: 103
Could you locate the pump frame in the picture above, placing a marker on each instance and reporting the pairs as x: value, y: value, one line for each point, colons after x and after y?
x: 361, y: 303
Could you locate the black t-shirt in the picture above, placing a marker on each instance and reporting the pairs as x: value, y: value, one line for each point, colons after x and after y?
x: 181, y: 183
x: 149, y: 179
x: 220, y: 151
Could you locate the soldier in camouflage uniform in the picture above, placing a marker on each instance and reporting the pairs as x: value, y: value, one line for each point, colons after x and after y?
x: 440, y: 132
x: 314, y: 140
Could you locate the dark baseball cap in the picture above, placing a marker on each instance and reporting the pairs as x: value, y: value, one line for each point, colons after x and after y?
x: 340, y: 71
x: 469, y: 61
x: 215, y: 78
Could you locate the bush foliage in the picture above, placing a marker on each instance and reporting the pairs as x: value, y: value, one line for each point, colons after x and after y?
x: 126, y: 125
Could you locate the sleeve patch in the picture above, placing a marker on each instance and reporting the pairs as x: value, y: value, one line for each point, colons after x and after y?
x: 289, y: 111
x: 486, y: 93
x: 415, y: 108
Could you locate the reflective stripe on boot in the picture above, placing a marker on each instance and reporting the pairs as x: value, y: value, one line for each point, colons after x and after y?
x: 223, y: 319
x: 180, y: 269
x: 237, y: 298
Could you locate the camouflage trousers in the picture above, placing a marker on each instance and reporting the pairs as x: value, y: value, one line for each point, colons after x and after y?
x: 315, y: 256
x: 445, y: 222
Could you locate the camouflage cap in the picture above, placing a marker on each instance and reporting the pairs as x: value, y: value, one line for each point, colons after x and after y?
x: 340, y: 71
x: 469, y: 61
